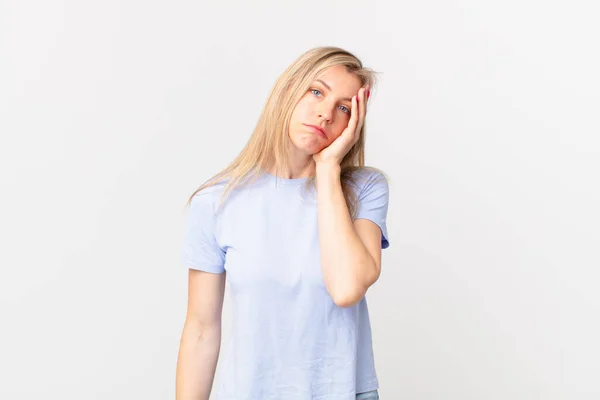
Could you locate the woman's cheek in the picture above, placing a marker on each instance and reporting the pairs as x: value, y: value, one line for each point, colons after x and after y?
x: 333, y: 137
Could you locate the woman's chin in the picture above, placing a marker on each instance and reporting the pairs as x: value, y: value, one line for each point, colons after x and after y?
x: 308, y: 145
x: 313, y: 149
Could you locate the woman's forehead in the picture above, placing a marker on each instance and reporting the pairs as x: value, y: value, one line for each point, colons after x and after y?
x: 338, y: 79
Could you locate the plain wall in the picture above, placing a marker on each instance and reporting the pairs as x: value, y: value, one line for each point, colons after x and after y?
x: 485, y: 119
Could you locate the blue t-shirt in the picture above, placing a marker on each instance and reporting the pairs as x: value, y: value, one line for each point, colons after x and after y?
x: 289, y: 339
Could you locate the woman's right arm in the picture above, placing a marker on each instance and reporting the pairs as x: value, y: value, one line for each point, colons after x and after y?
x: 201, y: 338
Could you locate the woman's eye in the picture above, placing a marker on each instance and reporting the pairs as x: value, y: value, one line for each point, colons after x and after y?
x: 345, y: 109
x: 316, y: 92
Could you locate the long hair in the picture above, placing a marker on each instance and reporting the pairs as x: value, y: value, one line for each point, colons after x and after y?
x: 268, y: 146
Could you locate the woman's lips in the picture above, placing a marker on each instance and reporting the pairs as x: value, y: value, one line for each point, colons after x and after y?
x: 317, y: 129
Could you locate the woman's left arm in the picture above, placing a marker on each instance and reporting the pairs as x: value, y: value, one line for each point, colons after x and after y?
x: 350, y: 251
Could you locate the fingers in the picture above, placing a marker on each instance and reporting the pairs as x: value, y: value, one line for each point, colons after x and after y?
x: 358, y: 112
x: 354, y: 114
x: 363, y: 103
x: 361, y: 108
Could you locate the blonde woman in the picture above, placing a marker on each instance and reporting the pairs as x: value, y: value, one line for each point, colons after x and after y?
x: 297, y: 224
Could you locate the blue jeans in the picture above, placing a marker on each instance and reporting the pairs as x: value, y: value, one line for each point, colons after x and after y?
x: 372, y: 395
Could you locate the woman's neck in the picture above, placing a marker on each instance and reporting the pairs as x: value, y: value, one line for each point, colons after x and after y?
x: 297, y: 170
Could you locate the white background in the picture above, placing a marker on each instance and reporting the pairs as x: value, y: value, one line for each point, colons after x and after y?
x: 485, y: 118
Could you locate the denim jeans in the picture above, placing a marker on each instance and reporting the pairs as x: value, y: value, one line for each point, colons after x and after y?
x: 372, y: 395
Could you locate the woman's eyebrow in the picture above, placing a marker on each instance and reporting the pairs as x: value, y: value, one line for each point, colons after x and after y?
x: 329, y: 88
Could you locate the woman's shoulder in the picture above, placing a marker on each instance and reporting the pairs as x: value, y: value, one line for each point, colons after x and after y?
x: 223, y: 190
x: 208, y: 194
x: 363, y: 177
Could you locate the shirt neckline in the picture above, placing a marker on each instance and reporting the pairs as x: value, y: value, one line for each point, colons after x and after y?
x: 283, y: 181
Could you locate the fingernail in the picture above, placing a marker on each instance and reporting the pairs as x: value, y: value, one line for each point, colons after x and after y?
x: 368, y: 93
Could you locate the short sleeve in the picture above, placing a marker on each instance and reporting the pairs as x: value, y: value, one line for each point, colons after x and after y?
x: 373, y: 202
x: 200, y: 248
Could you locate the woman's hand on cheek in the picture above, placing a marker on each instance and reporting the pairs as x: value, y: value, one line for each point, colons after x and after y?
x: 335, y: 152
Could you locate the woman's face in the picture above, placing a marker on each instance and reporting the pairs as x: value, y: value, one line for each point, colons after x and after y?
x: 326, y: 105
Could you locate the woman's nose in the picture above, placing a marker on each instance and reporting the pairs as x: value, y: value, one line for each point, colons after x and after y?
x: 325, y: 112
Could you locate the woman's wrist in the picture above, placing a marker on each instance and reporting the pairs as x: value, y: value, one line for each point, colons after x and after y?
x: 328, y: 174
x: 327, y: 168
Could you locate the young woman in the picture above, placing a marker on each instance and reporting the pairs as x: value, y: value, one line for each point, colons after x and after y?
x: 297, y: 224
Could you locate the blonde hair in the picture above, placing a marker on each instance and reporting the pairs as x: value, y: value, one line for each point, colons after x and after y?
x: 268, y: 146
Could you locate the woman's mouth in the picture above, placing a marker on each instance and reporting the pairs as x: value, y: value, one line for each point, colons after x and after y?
x: 317, y: 129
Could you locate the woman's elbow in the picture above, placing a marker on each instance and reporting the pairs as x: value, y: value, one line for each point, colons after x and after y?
x: 348, y: 297
x: 351, y: 294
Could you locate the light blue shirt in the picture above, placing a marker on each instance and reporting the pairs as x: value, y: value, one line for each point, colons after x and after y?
x: 289, y: 339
